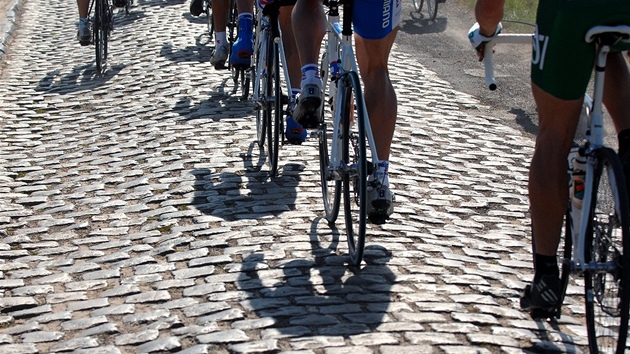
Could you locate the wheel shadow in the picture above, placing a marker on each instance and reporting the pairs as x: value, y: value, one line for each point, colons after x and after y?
x: 80, y: 78
x: 318, y: 296
x: 419, y: 23
x: 217, y: 107
x: 247, y: 194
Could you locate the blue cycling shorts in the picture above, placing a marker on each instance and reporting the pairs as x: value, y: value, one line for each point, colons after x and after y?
x: 375, y: 19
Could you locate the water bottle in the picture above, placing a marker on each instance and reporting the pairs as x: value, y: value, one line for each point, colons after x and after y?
x: 578, y: 173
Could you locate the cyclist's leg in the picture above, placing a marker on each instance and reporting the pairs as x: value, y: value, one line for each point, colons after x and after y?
x: 244, y: 45
x: 616, y: 98
x: 220, y: 9
x: 380, y: 98
x: 294, y: 133
x: 309, y: 26
x: 374, y: 38
x: 617, y: 89
x: 548, y: 195
x: 84, y: 34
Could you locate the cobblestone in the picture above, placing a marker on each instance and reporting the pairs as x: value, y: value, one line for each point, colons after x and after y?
x: 136, y: 216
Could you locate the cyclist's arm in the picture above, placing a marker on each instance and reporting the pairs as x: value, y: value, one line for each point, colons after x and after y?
x: 488, y: 14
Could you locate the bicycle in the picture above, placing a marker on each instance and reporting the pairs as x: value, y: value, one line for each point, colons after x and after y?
x: 432, y: 7
x: 271, y: 91
x: 597, y: 225
x: 347, y: 153
x: 101, y: 29
x: 239, y: 74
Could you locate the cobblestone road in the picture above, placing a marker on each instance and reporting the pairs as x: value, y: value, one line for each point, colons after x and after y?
x: 134, y: 220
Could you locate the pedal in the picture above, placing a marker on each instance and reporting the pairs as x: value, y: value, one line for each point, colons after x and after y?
x: 543, y: 314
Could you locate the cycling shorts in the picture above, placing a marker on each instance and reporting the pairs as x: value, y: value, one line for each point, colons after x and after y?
x: 562, y: 62
x: 375, y: 19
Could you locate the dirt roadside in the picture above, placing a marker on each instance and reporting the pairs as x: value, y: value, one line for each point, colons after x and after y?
x: 442, y: 46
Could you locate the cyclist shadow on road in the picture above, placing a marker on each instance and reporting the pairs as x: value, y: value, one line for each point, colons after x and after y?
x: 199, y: 53
x: 219, y: 106
x: 80, y: 78
x: 318, y: 296
x: 419, y: 23
x: 245, y: 194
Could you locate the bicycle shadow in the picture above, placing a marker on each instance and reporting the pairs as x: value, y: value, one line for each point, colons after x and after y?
x: 547, y: 344
x: 80, y: 78
x: 160, y: 3
x: 245, y: 195
x: 318, y: 296
x: 419, y: 23
x: 217, y: 107
x: 198, y: 53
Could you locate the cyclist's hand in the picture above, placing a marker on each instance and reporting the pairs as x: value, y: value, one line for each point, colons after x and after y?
x: 478, y: 41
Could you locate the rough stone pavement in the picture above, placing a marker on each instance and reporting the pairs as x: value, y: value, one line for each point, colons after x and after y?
x: 134, y: 219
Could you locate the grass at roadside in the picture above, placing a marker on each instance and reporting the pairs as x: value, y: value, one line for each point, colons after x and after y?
x: 515, y: 10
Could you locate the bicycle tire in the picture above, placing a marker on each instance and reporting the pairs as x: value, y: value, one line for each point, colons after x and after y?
x: 355, y: 179
x: 566, y: 241
x: 331, y: 184
x: 260, y: 85
x: 274, y: 98
x: 607, y: 293
x: 432, y: 7
x: 417, y: 5
x: 101, y: 33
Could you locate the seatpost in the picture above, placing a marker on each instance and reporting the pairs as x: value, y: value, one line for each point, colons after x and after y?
x: 347, y: 17
x: 600, y: 68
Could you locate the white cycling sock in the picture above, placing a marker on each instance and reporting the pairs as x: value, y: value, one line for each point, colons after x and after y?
x: 220, y: 38
x: 382, y: 172
x: 310, y: 75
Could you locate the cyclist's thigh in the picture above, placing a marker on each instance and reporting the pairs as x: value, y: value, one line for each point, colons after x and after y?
x: 375, y: 19
x: 562, y: 61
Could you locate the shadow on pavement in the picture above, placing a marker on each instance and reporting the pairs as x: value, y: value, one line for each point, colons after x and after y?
x: 418, y: 23
x: 320, y: 297
x: 246, y: 195
x: 218, y: 106
x: 80, y: 78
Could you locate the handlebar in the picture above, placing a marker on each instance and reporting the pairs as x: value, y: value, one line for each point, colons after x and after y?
x: 513, y: 38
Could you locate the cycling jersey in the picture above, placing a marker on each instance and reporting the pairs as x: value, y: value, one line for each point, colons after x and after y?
x: 375, y: 19
x: 562, y: 62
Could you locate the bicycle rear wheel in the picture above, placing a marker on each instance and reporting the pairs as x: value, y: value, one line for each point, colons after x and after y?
x: 331, y: 184
x: 354, y: 153
x: 417, y: 5
x: 101, y: 33
x: 607, y: 280
x: 272, y: 97
x: 432, y: 7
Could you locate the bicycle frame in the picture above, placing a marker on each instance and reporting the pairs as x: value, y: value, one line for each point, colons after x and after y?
x: 339, y: 61
x: 595, y: 140
x: 261, y: 30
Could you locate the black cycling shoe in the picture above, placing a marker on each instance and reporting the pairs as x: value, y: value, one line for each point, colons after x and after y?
x: 307, y: 112
x: 196, y: 7
x: 120, y: 3
x: 542, y: 298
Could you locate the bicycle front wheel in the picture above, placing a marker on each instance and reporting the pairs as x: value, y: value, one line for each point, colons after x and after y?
x: 354, y: 154
x: 273, y: 113
x: 432, y: 6
x: 606, y: 280
x: 329, y: 176
x: 101, y: 33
